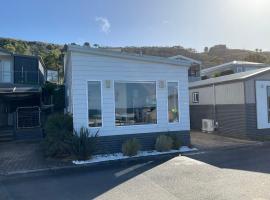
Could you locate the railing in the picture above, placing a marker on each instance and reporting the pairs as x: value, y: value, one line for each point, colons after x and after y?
x: 28, y: 117
x: 20, y: 77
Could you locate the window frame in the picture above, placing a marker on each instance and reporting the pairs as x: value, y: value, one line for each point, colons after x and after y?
x: 268, y: 107
x: 135, y: 81
x: 194, y: 100
x: 101, y: 96
x: 179, y: 116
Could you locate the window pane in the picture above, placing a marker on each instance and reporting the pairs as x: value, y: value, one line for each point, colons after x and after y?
x: 135, y: 103
x: 173, y: 102
x: 94, y: 104
x: 5, y: 71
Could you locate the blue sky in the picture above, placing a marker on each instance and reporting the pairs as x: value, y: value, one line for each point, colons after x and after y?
x: 189, y: 23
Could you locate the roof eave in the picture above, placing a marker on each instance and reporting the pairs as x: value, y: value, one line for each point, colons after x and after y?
x: 154, y: 59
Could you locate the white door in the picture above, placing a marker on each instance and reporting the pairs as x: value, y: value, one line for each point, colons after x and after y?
x: 5, y: 71
x: 263, y: 104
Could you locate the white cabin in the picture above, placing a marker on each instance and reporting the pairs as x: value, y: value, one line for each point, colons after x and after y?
x: 126, y: 95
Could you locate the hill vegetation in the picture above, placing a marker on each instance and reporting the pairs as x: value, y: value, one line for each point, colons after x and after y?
x: 210, y: 57
x: 52, y: 54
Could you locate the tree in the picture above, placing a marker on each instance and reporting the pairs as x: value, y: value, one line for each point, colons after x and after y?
x: 256, y: 57
x: 96, y: 45
x: 205, y: 49
x: 86, y: 44
x: 52, y: 59
x: 9, y: 47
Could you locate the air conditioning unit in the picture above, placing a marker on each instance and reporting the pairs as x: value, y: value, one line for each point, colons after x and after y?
x: 208, y: 125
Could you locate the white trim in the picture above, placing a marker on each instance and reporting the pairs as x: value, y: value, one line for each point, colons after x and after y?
x: 178, y: 92
x: 101, y: 103
x: 137, y: 81
x: 194, y: 100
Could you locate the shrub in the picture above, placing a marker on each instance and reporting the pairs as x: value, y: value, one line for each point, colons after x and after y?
x: 59, y: 132
x: 163, y: 143
x: 131, y: 147
x: 83, y: 144
x: 177, y: 142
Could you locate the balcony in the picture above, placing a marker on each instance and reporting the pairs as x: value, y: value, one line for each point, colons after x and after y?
x: 21, y: 77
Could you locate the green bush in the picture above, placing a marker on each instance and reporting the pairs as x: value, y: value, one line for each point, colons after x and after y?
x: 177, y: 142
x: 59, y: 133
x: 131, y: 147
x: 83, y: 144
x: 163, y: 143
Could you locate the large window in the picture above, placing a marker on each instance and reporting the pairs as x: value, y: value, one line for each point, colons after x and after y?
x: 173, y: 111
x: 94, y: 104
x: 135, y: 103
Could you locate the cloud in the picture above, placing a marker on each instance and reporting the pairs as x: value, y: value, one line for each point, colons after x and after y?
x: 165, y: 22
x: 104, y: 24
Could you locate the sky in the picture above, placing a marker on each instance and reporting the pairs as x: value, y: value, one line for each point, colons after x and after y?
x: 242, y: 24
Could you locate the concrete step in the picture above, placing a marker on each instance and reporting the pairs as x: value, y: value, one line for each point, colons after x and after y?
x: 6, y: 135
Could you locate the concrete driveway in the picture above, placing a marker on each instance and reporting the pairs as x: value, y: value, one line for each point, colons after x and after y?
x: 209, y: 141
x: 225, y: 174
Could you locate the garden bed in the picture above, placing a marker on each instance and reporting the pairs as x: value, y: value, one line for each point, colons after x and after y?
x: 120, y: 156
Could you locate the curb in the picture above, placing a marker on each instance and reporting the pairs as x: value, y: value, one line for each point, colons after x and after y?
x: 93, y: 166
x: 217, y: 149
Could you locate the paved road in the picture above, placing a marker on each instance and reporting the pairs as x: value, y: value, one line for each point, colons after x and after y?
x: 241, y: 173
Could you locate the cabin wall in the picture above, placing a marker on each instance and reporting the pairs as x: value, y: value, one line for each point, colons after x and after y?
x: 86, y: 67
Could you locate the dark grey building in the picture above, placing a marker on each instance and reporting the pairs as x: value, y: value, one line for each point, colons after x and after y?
x: 239, y: 103
x: 21, y: 78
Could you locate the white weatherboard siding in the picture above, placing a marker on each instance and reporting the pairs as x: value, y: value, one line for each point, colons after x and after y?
x: 261, y: 104
x: 87, y: 67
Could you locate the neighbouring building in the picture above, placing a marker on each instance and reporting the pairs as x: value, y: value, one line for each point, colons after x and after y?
x: 194, y: 71
x: 21, y: 78
x: 231, y: 68
x: 52, y: 76
x: 125, y: 95
x: 238, y: 103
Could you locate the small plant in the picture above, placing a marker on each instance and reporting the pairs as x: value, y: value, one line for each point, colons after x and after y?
x: 163, y: 143
x: 131, y: 147
x: 177, y: 142
x: 59, y: 132
x: 83, y: 144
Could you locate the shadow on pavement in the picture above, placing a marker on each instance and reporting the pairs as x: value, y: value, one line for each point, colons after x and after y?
x: 75, y: 185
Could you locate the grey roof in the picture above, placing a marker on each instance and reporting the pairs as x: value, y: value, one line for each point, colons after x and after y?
x: 124, y: 55
x: 178, y: 57
x: 225, y: 65
x: 233, y: 77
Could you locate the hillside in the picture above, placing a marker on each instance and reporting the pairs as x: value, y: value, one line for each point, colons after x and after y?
x: 52, y: 54
x: 215, y: 55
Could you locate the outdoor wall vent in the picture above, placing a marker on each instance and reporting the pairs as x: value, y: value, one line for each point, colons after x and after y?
x: 108, y: 84
x: 161, y: 84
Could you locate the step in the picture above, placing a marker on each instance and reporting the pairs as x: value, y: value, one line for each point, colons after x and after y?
x: 6, y: 135
x: 6, y: 139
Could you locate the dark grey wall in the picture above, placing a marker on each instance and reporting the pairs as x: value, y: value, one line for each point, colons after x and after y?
x: 232, y: 119
x: 113, y: 144
x: 252, y: 131
x: 236, y: 120
x: 199, y: 112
